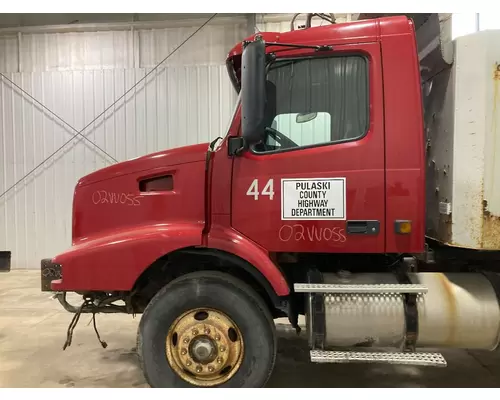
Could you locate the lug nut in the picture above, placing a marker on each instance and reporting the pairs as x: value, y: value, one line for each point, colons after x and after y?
x: 211, y: 369
x: 219, y: 360
x: 186, y: 340
x: 222, y: 348
x: 188, y: 363
x: 207, y: 331
x: 183, y: 352
x: 198, y: 368
x: 194, y: 332
x: 217, y: 337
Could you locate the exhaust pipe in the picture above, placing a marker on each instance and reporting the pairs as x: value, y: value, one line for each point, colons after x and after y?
x: 327, y: 17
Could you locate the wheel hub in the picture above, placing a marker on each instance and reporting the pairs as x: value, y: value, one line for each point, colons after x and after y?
x: 204, y: 347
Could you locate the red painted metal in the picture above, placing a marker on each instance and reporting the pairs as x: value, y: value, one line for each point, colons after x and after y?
x: 361, y: 162
x: 404, y: 135
x: 110, y: 199
x: 118, y: 231
x: 116, y: 260
x: 231, y: 241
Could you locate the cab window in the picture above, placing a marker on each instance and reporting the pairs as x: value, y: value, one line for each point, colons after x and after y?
x: 315, y: 101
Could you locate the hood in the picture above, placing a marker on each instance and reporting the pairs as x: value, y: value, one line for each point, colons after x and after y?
x: 180, y: 155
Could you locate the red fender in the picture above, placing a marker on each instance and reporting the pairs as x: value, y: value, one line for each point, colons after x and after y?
x: 115, y: 260
x: 231, y: 241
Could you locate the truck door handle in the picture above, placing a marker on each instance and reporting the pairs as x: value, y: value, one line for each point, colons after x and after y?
x: 363, y: 227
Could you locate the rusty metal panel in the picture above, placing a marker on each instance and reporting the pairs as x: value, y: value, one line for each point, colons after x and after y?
x: 49, y: 272
x: 469, y: 140
x: 491, y: 201
x: 462, y: 114
x: 471, y: 135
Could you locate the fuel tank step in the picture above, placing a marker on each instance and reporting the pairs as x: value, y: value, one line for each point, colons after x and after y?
x: 417, y: 359
x: 368, y: 288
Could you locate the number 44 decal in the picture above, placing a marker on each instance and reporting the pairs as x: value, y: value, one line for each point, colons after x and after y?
x: 268, y: 190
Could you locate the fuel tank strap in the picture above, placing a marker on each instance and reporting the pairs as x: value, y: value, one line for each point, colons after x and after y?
x: 494, y: 280
x: 411, y: 313
x: 317, y: 304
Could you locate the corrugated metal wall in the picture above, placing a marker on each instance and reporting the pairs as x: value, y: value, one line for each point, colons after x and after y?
x: 77, y: 75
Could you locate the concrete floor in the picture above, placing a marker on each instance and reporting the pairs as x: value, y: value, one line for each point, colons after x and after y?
x: 33, y: 329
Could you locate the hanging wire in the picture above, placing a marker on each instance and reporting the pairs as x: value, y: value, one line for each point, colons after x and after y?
x: 107, y: 108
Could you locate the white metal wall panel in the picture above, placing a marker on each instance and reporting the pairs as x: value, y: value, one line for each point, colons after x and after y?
x: 66, y: 51
x: 175, y: 106
x: 209, y: 47
x: 9, y: 57
x: 125, y: 48
x: 76, y: 50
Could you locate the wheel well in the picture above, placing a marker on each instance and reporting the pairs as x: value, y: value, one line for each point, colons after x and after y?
x: 182, y: 262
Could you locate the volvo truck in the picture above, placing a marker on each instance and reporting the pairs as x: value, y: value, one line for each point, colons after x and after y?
x: 357, y: 186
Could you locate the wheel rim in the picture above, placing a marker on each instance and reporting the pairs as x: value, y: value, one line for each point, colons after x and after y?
x: 204, y: 347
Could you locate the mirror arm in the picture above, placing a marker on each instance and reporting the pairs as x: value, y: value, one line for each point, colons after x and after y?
x: 236, y: 146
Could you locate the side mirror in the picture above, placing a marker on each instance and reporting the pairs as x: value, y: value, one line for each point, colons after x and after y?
x: 253, y: 91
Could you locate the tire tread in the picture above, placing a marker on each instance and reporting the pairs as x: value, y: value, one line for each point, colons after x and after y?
x: 208, y: 276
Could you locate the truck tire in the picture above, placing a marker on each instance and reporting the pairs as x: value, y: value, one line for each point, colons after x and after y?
x: 207, y: 329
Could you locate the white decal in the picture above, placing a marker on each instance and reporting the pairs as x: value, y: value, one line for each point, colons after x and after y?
x: 268, y: 190
x: 444, y: 208
x: 253, y: 190
x: 313, y: 199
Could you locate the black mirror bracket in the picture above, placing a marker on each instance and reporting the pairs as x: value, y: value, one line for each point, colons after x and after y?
x: 255, y: 39
x: 235, y: 146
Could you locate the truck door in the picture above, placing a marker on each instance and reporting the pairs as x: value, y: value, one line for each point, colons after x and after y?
x: 317, y: 182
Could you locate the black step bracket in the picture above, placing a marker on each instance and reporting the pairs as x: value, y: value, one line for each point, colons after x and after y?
x: 317, y: 307
x: 411, y: 312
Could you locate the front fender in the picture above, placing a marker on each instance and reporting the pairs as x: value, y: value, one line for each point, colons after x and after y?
x: 114, y: 261
x: 231, y: 241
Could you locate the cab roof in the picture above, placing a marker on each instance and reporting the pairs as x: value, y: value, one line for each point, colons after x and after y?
x: 368, y: 30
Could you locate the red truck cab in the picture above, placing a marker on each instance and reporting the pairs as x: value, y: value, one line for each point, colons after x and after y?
x: 369, y: 152
x: 334, y: 165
